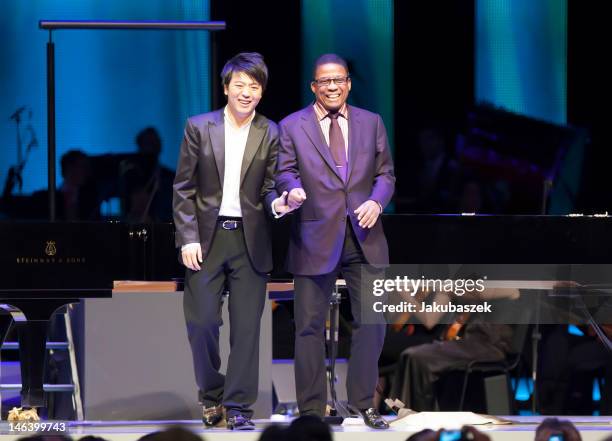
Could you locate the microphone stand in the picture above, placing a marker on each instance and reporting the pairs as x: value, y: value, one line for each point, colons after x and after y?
x: 19, y: 168
x: 338, y: 411
x: 15, y: 172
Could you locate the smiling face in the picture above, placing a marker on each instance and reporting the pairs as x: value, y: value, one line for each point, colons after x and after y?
x: 334, y: 95
x: 243, y: 94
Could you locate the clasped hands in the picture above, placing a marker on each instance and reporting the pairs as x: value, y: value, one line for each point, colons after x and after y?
x: 282, y: 205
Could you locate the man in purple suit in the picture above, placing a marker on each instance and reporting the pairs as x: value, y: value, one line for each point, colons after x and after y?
x: 335, y: 164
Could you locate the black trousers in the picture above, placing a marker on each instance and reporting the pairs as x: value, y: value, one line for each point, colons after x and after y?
x: 312, y: 297
x: 228, y: 265
x: 421, y: 366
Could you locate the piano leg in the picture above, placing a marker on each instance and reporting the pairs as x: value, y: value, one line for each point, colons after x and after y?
x: 32, y: 327
x: 33, y: 354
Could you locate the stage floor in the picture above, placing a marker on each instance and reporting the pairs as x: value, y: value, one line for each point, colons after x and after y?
x: 523, y: 429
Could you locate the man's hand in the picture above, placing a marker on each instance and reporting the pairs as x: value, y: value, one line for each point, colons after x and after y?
x: 296, y: 198
x: 192, y: 256
x: 281, y: 206
x: 367, y: 213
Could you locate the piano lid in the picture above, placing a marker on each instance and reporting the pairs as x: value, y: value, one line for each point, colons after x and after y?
x: 74, y: 258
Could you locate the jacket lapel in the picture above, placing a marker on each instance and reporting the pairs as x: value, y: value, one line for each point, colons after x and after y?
x: 217, y: 140
x: 313, y: 131
x: 256, y: 134
x: 353, y: 147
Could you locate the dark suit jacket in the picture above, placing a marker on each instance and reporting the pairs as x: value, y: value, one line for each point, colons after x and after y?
x: 305, y: 161
x: 198, y: 185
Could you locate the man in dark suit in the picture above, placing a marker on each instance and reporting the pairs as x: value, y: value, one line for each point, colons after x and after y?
x: 334, y: 163
x: 224, y: 185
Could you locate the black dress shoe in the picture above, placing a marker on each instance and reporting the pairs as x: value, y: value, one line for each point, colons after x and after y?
x: 240, y: 422
x: 212, y: 416
x: 373, y: 419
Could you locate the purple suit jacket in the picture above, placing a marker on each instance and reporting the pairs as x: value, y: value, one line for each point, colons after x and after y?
x: 304, y: 160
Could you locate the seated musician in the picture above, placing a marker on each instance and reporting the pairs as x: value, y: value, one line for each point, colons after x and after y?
x: 75, y: 199
x: 400, y: 335
x: 469, y: 338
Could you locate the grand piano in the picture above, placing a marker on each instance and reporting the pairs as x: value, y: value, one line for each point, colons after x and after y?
x: 46, y: 265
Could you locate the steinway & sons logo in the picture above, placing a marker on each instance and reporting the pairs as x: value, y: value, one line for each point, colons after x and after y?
x: 50, y: 257
x: 50, y: 250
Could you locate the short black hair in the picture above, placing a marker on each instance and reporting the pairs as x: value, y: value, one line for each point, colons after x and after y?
x: 70, y: 159
x: 250, y: 63
x: 329, y: 58
x: 149, y: 141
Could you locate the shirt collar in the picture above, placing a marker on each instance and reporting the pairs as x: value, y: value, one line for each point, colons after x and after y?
x: 232, y: 125
x: 322, y: 113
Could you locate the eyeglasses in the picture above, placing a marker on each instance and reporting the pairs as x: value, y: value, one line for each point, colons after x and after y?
x: 324, y: 82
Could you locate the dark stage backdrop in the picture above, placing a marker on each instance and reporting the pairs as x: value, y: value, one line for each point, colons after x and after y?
x: 588, y: 97
x: 434, y: 79
x: 271, y: 28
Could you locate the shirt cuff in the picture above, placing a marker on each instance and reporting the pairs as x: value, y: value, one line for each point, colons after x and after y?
x: 274, y: 213
x: 189, y: 245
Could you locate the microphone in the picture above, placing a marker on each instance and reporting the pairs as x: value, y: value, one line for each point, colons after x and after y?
x: 33, y: 139
x: 17, y: 112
